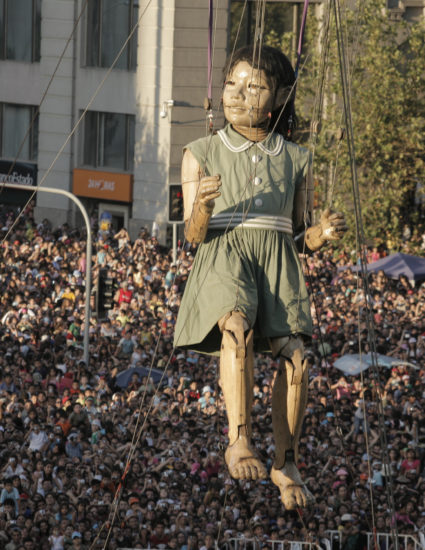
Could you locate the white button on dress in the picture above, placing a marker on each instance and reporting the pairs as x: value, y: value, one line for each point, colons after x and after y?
x: 258, y: 202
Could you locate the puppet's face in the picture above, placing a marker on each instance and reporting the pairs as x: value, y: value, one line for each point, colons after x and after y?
x: 248, y: 97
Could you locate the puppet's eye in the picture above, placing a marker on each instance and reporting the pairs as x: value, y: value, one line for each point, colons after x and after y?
x: 229, y: 82
x: 255, y: 86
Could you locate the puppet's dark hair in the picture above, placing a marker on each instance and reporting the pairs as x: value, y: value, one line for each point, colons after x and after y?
x: 280, y: 73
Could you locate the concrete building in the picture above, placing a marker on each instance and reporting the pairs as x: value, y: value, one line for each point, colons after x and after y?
x: 126, y: 149
x: 112, y: 130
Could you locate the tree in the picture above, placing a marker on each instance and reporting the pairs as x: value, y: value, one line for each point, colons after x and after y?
x: 387, y: 69
x: 387, y: 82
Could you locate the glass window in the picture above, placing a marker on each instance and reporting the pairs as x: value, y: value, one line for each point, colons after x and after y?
x: 90, y: 139
x: 20, y: 24
x: 113, y: 146
x: 109, y: 140
x: 17, y: 141
x: 109, y: 23
x: 282, y: 22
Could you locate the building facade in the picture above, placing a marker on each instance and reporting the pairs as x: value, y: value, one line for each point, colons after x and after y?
x: 98, y: 97
x: 115, y: 106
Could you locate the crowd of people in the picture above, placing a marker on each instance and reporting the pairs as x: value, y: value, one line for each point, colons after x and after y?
x: 87, y: 461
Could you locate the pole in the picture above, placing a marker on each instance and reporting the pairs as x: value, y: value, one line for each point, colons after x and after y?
x: 174, y: 243
x: 88, y: 251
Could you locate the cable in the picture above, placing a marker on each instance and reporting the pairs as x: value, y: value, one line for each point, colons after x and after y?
x: 37, y: 112
x: 76, y: 125
x: 361, y: 240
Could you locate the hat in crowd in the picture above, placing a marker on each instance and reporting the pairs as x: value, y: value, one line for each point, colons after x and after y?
x: 206, y: 389
x: 347, y: 517
x: 133, y: 500
x: 342, y: 472
x: 76, y: 534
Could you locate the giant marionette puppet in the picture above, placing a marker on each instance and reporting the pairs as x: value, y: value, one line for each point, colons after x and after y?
x: 246, y: 195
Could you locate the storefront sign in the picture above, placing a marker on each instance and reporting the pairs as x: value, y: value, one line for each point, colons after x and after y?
x: 103, y: 185
x: 23, y: 173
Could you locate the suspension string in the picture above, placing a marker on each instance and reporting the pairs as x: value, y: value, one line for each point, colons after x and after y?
x: 314, y: 126
x: 242, y: 197
x: 37, y: 111
x: 109, y: 523
x: 338, y: 426
x: 324, y: 64
x: 220, y: 523
x: 366, y: 436
x: 211, y: 40
x: 361, y: 239
x: 248, y: 188
x: 135, y: 437
x: 365, y: 420
x: 316, y: 117
x: 297, y: 64
x: 76, y: 125
x: 351, y: 56
x: 208, y: 100
x: 210, y: 32
x: 301, y: 37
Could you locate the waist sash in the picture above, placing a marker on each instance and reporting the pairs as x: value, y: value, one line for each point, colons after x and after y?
x: 255, y: 221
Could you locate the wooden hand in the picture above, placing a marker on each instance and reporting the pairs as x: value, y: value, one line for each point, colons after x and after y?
x: 333, y: 225
x: 209, y: 190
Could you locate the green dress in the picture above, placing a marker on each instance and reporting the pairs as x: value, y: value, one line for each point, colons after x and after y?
x: 248, y: 261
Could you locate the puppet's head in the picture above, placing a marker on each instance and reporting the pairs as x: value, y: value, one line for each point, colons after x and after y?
x: 280, y: 80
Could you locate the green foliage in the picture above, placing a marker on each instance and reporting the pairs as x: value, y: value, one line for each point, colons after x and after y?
x: 386, y: 65
x: 387, y: 82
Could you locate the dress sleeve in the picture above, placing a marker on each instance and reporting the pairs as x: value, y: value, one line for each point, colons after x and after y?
x: 200, y: 150
x: 303, y: 200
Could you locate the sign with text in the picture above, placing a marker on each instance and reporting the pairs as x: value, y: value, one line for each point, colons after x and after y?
x: 103, y: 185
x: 24, y: 173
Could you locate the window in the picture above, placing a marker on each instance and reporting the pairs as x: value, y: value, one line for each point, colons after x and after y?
x: 15, y: 121
x: 109, y: 23
x: 108, y: 140
x: 281, y: 18
x: 20, y: 27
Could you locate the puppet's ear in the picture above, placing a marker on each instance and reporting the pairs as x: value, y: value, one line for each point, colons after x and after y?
x: 281, y: 97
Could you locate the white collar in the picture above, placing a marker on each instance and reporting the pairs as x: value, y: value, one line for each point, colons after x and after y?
x: 247, y: 144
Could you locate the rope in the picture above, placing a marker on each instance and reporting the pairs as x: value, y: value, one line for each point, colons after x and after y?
x: 37, y: 111
x: 361, y: 240
x: 117, y: 497
x: 210, y: 29
x: 138, y: 431
x: 76, y: 125
x: 354, y: 51
x: 301, y: 37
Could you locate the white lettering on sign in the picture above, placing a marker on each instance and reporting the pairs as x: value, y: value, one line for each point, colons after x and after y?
x: 14, y: 177
x: 103, y: 185
x: 108, y: 186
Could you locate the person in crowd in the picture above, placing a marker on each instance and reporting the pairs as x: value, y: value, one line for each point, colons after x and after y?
x: 174, y: 486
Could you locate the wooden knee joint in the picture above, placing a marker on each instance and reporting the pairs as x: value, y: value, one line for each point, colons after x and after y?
x: 235, y: 324
x: 291, y: 351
